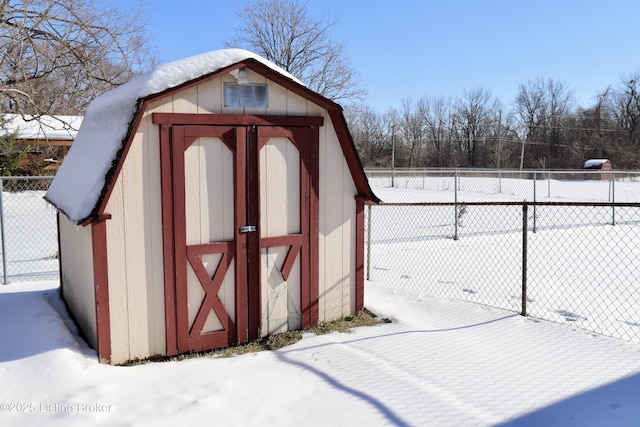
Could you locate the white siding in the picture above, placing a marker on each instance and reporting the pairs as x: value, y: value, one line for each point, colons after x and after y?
x: 337, y: 229
x: 134, y: 252
x: 76, y: 259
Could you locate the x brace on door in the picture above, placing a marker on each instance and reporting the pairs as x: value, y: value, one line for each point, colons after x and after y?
x: 211, y: 286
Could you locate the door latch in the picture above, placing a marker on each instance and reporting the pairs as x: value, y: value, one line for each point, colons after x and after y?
x: 248, y: 228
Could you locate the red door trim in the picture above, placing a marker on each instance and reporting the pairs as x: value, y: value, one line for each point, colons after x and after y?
x: 211, y: 286
x: 252, y: 203
x: 173, y: 141
x: 179, y: 237
x: 191, y: 337
x: 306, y: 139
x: 166, y: 186
x: 313, y: 158
x: 240, y: 194
x: 248, y: 316
x: 169, y: 119
x: 306, y: 178
x: 289, y: 260
x: 291, y: 239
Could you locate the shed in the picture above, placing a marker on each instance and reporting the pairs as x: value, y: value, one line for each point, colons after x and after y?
x: 212, y: 201
x: 603, y: 165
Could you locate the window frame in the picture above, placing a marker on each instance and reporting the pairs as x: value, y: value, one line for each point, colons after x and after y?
x: 241, y: 96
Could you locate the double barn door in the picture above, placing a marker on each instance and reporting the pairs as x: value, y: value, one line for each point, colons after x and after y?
x: 240, y: 246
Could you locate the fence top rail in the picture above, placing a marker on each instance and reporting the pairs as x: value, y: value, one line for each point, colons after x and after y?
x: 24, y: 178
x: 496, y: 171
x: 588, y: 204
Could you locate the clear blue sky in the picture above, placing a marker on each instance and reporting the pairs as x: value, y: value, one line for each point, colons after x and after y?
x: 405, y: 49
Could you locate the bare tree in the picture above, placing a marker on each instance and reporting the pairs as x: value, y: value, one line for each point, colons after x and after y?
x: 283, y: 32
x: 412, y: 129
x: 591, y: 131
x: 57, y: 55
x: 560, y: 105
x: 368, y: 129
x: 543, y: 107
x: 475, y: 113
x: 436, y: 114
x: 530, y: 108
x: 626, y: 106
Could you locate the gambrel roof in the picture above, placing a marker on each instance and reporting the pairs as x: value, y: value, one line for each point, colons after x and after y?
x: 83, y: 179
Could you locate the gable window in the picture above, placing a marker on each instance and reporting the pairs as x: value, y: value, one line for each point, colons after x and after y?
x: 245, y: 95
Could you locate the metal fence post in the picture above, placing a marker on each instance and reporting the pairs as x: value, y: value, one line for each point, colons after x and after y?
x: 455, y: 205
x: 613, y: 199
x: 535, y: 192
x: 4, y: 252
x: 524, y: 258
x: 610, y: 195
x: 368, y: 242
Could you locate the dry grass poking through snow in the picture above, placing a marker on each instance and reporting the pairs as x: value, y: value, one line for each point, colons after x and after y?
x: 277, y: 341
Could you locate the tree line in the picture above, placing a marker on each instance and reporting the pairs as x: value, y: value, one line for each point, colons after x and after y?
x: 543, y: 129
x: 58, y: 56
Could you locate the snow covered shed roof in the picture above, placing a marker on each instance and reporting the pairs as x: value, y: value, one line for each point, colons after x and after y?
x: 595, y: 163
x: 45, y: 127
x: 82, y: 181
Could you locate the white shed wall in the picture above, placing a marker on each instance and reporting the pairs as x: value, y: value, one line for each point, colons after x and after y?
x: 76, y: 261
x: 134, y: 252
x: 337, y: 229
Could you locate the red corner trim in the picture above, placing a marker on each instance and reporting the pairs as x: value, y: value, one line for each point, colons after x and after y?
x: 101, y: 283
x: 59, y: 257
x: 359, y: 253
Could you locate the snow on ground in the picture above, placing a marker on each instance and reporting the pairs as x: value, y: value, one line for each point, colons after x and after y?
x: 581, y: 269
x: 440, y: 362
x: 590, y: 277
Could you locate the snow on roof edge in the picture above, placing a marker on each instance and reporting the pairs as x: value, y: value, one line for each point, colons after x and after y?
x: 43, y: 127
x: 594, y: 162
x: 80, y: 182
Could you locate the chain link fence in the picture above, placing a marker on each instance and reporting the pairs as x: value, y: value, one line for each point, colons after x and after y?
x: 569, y: 262
x: 28, y: 230
x: 554, y: 258
x: 482, y: 185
